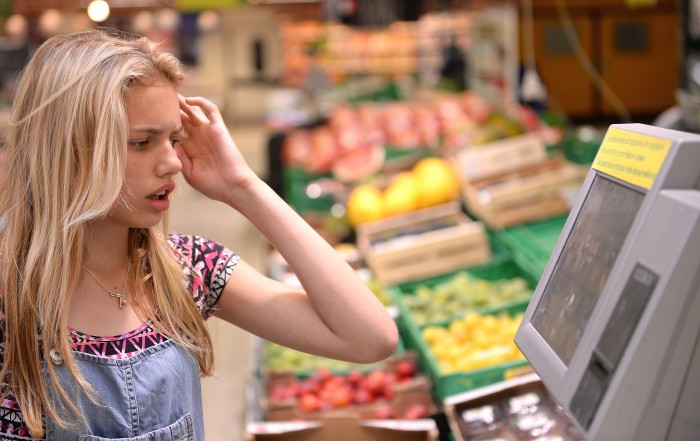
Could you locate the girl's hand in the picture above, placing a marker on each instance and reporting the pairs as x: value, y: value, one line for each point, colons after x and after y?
x: 211, y: 161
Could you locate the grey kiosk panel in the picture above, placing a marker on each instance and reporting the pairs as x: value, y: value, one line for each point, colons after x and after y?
x: 614, y: 323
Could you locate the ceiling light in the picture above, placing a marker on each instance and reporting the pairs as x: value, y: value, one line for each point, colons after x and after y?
x: 98, y: 10
x: 16, y: 25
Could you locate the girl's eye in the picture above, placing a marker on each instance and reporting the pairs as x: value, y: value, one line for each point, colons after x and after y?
x: 139, y: 145
x: 173, y: 142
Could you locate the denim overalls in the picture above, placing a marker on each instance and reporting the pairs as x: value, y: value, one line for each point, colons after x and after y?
x: 154, y: 395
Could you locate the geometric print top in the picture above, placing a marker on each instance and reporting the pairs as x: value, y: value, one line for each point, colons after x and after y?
x: 206, y: 264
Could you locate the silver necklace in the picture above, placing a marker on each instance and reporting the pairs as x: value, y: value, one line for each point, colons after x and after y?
x: 116, y: 294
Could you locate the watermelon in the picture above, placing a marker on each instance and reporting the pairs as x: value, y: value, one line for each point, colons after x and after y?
x: 359, y: 163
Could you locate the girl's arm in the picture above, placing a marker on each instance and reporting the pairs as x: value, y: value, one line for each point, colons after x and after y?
x: 335, y: 315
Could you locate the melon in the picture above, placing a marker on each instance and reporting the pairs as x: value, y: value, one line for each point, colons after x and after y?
x: 359, y: 163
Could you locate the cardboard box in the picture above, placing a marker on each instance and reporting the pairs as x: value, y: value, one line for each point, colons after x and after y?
x: 344, y: 427
x: 422, y: 244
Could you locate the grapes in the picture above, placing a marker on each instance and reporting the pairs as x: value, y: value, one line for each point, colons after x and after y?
x: 462, y: 294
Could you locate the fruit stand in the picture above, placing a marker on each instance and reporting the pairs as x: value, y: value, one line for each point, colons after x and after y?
x: 451, y: 207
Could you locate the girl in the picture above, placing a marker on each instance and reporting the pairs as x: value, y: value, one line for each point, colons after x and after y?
x: 103, y: 333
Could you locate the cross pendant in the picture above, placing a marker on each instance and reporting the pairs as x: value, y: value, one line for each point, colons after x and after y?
x: 122, y: 302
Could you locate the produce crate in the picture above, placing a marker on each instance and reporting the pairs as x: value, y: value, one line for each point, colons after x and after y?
x: 517, y: 408
x: 515, y: 181
x: 449, y: 384
x: 532, y: 244
x: 395, y: 396
x: 295, y: 183
x: 280, y: 359
x: 503, y: 269
x: 424, y: 243
x: 528, y: 194
x: 445, y: 385
x: 494, y: 158
x: 580, y: 151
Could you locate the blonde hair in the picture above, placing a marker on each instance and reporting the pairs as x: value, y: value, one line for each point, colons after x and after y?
x: 66, y: 154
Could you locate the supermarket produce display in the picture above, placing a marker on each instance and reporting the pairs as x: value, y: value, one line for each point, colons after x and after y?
x: 453, y: 204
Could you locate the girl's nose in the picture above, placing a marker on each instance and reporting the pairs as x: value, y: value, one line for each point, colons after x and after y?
x: 169, y: 163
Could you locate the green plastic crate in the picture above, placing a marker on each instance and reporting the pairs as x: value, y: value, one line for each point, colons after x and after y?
x: 445, y: 385
x: 295, y: 182
x: 498, y: 270
x: 312, y: 363
x: 579, y: 151
x: 450, y: 384
x: 532, y: 244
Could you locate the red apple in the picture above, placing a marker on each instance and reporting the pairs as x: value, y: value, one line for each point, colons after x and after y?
x: 384, y: 413
x: 310, y: 403
x: 375, y: 380
x: 355, y: 378
x: 341, y: 397
x: 405, y: 369
x: 416, y: 411
x: 363, y: 396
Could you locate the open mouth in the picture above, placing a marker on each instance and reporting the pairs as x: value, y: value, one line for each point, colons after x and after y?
x: 158, y: 196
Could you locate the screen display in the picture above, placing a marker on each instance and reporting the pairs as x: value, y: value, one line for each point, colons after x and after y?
x: 584, y: 264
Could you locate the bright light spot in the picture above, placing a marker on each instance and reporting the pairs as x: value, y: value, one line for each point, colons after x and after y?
x: 208, y: 21
x: 50, y: 22
x: 142, y: 22
x: 167, y: 19
x: 98, y: 10
x: 16, y: 25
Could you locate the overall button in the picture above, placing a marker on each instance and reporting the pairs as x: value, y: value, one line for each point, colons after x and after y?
x: 55, y: 357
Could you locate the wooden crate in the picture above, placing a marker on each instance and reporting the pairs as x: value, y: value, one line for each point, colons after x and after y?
x: 530, y: 193
x: 423, y: 244
x: 499, y: 156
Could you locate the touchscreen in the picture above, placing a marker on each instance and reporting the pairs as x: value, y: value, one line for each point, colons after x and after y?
x: 584, y: 264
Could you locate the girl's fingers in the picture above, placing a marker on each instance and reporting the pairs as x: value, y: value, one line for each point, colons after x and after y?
x: 184, y: 159
x: 209, y: 109
x: 185, y: 108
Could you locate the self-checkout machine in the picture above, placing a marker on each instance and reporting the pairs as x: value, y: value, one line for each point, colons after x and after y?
x: 613, y: 328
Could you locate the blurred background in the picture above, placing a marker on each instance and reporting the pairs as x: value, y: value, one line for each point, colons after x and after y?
x: 330, y: 100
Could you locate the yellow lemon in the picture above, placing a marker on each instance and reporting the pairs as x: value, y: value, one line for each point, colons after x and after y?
x: 401, y: 196
x: 437, y: 180
x: 364, y: 204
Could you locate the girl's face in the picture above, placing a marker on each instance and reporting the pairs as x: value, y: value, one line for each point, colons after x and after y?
x: 151, y: 163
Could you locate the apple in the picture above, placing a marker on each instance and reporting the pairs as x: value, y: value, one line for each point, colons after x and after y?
x: 405, y: 369
x: 341, y: 397
x: 374, y: 382
x: 416, y: 411
x: 355, y: 378
x: 384, y: 413
x: 363, y: 396
x: 310, y: 403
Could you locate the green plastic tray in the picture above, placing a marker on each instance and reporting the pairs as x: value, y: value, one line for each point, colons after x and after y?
x: 443, y: 384
x: 295, y: 182
x: 532, y: 244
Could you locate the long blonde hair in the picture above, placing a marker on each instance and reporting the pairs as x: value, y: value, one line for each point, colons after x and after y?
x: 64, y: 166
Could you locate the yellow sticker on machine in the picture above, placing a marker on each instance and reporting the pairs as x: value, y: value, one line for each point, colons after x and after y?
x: 632, y: 157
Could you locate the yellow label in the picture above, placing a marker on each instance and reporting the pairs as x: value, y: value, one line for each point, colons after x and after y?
x: 632, y: 157
x: 201, y: 5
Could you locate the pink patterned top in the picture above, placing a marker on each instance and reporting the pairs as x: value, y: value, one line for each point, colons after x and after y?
x: 208, y: 266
